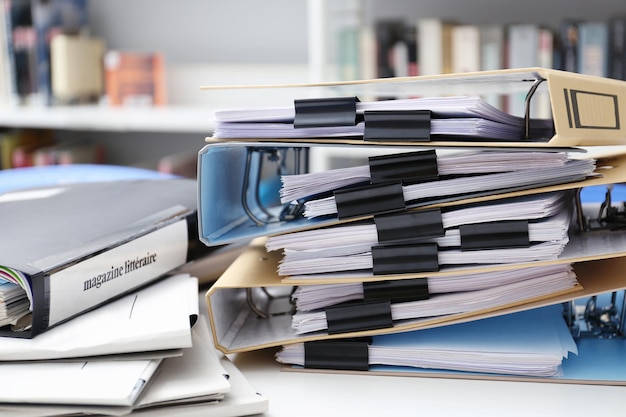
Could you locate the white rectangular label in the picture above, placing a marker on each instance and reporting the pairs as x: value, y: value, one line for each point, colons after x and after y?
x: 118, y: 270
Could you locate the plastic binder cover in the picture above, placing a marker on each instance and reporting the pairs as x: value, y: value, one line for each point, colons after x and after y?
x: 249, y: 306
x: 586, y: 110
x: 232, y: 190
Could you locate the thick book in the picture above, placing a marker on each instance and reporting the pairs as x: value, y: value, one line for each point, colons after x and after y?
x: 74, y: 247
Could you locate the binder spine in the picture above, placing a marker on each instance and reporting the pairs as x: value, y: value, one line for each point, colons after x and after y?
x: 369, y: 199
x: 349, y: 355
x: 409, y: 226
x: 397, y: 125
x: 403, y: 259
x: 353, y: 317
x: 407, y: 167
x: 397, y: 291
x: 325, y: 112
x: 495, y: 235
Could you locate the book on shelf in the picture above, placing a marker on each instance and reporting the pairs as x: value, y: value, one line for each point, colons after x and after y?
x: 77, y: 70
x: 91, y: 243
x: 52, y: 18
x: 593, y: 54
x: 617, y: 48
x: 135, y: 78
x: 434, y: 45
x: 465, y: 45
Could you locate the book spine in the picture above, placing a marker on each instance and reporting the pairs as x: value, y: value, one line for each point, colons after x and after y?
x: 569, y: 45
x: 617, y: 48
x: 105, y: 275
x: 465, y: 48
x: 593, y: 48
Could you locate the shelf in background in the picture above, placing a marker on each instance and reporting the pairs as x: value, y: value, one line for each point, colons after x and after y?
x: 136, y: 119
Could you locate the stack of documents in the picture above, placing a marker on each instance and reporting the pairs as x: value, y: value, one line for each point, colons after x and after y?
x: 515, y: 230
x: 528, y: 343
x: 472, y: 222
x: 127, y: 356
x: 468, y: 117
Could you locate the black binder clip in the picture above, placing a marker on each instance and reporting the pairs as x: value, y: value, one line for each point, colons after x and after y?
x: 406, y: 258
x: 396, y: 291
x: 325, y: 112
x: 346, y: 355
x: 360, y: 316
x: 369, y: 199
x: 411, y: 167
x: 412, y: 225
x: 495, y: 235
x: 397, y: 125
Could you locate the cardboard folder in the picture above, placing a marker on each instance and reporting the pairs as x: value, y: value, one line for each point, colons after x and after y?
x: 586, y: 110
x: 249, y: 305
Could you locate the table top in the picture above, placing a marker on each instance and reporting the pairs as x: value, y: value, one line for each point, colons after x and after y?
x: 322, y: 394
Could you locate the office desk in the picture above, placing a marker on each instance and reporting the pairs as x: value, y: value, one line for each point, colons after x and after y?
x: 318, y: 394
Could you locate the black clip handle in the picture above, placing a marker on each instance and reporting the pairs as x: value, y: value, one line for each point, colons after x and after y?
x: 403, y: 259
x: 411, y: 225
x: 325, y: 112
x: 413, y: 167
x: 346, y: 355
x: 397, y: 290
x: 353, y: 317
x: 397, y: 125
x: 369, y: 199
x: 495, y: 235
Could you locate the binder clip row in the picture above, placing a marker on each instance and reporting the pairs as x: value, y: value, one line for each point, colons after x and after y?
x: 382, y: 125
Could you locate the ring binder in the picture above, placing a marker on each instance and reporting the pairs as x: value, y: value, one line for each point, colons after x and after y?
x: 369, y: 199
x: 353, y: 317
x: 397, y: 126
x: 402, y: 259
x: 609, y: 217
x: 259, y: 311
x: 420, y: 166
x: 527, y: 100
x: 495, y: 235
x: 348, y: 355
x: 325, y: 112
x: 396, y: 291
x: 255, y: 157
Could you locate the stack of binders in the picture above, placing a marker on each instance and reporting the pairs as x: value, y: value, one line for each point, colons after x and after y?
x: 462, y: 220
x: 99, y: 313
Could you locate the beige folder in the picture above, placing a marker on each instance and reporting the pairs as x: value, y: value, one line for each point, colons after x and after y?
x: 586, y: 110
x: 249, y: 305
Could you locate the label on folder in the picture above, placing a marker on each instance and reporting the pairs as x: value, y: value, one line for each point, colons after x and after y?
x: 116, y: 271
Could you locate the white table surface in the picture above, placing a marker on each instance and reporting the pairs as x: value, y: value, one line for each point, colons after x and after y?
x: 322, y: 394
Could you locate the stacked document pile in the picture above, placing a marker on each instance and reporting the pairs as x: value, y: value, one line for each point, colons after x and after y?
x: 130, y: 356
x: 472, y: 224
x: 97, y: 315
